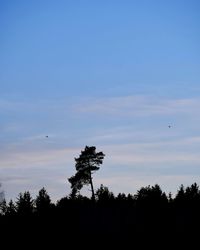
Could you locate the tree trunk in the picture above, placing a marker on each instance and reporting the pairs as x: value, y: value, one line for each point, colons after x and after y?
x: 92, y: 188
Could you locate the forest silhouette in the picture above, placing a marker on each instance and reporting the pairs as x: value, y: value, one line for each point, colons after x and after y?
x: 149, y: 215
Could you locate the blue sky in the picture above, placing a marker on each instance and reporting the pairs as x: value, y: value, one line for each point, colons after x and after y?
x: 113, y: 74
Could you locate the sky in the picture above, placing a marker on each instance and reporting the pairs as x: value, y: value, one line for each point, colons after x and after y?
x: 110, y: 74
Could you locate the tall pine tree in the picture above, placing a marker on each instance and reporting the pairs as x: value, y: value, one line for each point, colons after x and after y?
x: 86, y: 164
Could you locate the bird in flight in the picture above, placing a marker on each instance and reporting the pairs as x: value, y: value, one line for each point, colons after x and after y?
x: 169, y: 126
x: 47, y: 136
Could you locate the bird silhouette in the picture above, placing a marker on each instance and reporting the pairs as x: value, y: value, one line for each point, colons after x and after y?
x: 47, y: 136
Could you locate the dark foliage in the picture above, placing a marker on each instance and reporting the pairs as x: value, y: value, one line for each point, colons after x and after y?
x: 24, y: 204
x: 43, y: 203
x: 148, y: 216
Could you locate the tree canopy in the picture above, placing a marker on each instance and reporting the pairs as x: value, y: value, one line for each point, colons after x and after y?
x: 86, y: 164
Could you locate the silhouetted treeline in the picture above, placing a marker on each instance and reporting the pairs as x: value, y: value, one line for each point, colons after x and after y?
x: 149, y: 212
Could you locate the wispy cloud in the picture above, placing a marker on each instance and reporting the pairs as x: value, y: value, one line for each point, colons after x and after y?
x: 34, y: 158
x: 138, y: 106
